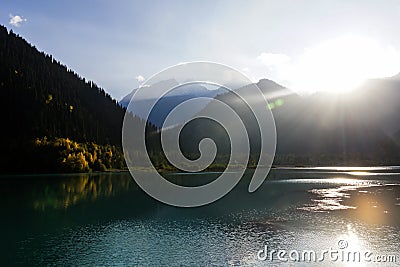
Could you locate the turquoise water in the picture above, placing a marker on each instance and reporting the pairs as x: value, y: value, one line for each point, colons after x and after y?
x: 105, y: 219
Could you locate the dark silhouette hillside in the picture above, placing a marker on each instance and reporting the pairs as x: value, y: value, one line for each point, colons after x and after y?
x: 40, y: 97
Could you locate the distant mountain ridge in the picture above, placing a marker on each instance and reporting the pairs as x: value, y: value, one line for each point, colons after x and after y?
x: 169, y: 101
x: 361, y: 123
x: 354, y: 128
x: 270, y: 88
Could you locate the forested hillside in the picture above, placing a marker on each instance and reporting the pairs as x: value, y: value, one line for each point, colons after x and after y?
x: 358, y: 128
x: 41, y: 98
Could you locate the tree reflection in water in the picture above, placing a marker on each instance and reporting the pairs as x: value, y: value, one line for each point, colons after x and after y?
x: 81, y: 188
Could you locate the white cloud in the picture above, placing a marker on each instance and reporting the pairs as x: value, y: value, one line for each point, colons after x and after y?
x: 271, y: 66
x: 273, y: 60
x: 249, y: 74
x: 16, y: 20
x: 139, y: 78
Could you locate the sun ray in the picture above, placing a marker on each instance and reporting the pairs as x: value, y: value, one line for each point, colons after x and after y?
x: 340, y: 65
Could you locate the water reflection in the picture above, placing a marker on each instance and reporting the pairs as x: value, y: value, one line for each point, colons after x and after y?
x: 367, y: 200
x: 102, y: 219
x: 329, y: 199
x: 353, y: 246
x: 82, y: 188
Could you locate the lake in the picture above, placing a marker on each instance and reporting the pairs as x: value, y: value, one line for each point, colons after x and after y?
x: 105, y: 219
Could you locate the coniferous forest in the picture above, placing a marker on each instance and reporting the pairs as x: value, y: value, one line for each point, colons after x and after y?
x: 53, y: 120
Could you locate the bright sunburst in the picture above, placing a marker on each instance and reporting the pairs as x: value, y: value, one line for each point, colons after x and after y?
x: 341, y: 64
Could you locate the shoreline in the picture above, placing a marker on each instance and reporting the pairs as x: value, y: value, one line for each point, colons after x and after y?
x: 220, y: 170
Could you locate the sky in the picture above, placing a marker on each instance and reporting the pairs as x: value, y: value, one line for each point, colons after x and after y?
x: 305, y: 45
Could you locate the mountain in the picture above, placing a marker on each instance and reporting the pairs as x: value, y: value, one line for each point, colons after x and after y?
x: 360, y: 127
x: 54, y: 120
x: 183, y: 93
x: 42, y: 100
x: 395, y: 77
x: 153, y: 91
x: 377, y: 101
x: 41, y: 97
x: 169, y: 101
x: 396, y: 138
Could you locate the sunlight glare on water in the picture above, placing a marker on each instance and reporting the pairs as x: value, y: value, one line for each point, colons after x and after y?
x: 110, y: 221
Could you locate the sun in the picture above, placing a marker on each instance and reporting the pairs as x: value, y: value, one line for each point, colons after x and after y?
x: 341, y: 64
